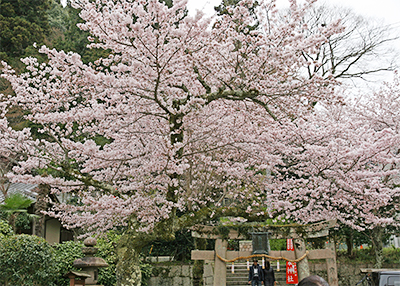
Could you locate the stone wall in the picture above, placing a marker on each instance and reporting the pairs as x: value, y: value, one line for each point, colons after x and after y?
x: 181, y: 275
x: 168, y: 275
x: 208, y: 275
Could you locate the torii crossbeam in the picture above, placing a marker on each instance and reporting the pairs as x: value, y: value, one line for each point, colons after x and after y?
x: 275, y: 232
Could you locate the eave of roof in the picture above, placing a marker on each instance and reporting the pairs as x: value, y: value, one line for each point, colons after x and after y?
x: 28, y: 190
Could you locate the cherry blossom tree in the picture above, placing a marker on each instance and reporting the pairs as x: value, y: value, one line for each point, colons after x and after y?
x: 342, y: 163
x: 172, y: 94
x: 179, y: 116
x: 381, y: 111
x: 333, y: 166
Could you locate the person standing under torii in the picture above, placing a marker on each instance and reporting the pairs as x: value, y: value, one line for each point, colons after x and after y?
x: 256, y: 277
x: 269, y: 275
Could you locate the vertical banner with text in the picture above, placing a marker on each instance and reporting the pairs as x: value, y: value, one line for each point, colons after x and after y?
x: 291, y: 267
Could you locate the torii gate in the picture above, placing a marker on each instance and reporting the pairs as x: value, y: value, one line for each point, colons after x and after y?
x: 312, y: 231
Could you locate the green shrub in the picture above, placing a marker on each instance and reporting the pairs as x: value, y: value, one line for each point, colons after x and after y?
x: 65, y: 254
x: 5, y: 228
x: 23, y: 221
x: 26, y: 260
x: 147, y: 270
x: 107, y: 251
x: 277, y: 244
x: 180, y: 248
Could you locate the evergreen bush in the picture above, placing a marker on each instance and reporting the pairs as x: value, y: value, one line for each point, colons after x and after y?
x: 65, y: 254
x: 5, y: 228
x: 26, y: 260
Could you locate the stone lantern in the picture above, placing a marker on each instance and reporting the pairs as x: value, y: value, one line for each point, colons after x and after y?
x: 90, y: 264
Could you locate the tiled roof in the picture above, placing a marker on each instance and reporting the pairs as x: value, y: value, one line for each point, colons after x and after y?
x: 28, y: 190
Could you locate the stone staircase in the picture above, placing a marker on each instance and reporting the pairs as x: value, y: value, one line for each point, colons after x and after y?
x: 241, y: 275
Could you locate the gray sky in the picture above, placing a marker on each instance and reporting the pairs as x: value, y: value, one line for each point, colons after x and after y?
x: 388, y: 10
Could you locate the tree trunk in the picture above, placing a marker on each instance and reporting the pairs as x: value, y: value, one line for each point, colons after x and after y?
x: 40, y: 205
x: 377, y: 243
x: 130, y: 245
x: 350, y: 244
x: 11, y: 221
x: 128, y: 267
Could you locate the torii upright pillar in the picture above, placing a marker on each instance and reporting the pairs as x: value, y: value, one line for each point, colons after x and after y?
x: 302, y: 266
x: 220, y: 266
x: 314, y: 230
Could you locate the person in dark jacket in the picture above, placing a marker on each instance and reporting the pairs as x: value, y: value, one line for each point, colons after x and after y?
x: 269, y: 275
x: 256, y: 277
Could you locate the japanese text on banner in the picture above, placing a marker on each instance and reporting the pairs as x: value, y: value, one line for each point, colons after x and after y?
x: 291, y: 273
x: 291, y: 267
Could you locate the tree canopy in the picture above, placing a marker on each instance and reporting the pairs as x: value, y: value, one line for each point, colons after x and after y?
x: 184, y: 118
x: 22, y: 23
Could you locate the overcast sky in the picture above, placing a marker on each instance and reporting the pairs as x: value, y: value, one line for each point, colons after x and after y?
x: 386, y: 10
x: 389, y: 10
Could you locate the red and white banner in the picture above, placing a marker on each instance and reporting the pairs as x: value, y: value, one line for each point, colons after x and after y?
x: 289, y: 244
x: 291, y: 267
x: 291, y: 273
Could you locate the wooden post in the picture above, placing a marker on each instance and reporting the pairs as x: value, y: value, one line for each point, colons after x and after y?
x: 331, y: 266
x: 302, y: 266
x: 77, y: 277
x: 220, y: 266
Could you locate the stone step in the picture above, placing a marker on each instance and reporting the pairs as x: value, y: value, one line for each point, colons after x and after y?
x: 239, y: 278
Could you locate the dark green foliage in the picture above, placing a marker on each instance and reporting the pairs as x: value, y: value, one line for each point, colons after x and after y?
x: 391, y: 256
x: 23, y: 221
x: 57, y: 15
x: 107, y: 251
x: 65, y: 254
x: 14, y: 210
x: 26, y: 260
x: 22, y: 23
x: 147, y: 271
x: 277, y: 244
x: 353, y: 238
x: 169, y: 3
x: 179, y: 248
